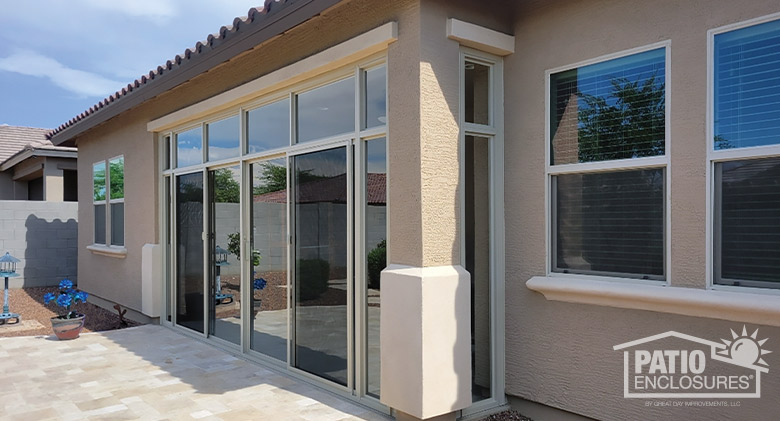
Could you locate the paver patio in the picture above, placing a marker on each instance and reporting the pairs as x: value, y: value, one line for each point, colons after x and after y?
x: 152, y: 373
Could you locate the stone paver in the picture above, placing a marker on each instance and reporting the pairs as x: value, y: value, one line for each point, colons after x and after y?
x: 151, y: 373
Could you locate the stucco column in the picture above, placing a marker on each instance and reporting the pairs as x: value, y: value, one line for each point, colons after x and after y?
x: 53, y: 183
x: 425, y: 318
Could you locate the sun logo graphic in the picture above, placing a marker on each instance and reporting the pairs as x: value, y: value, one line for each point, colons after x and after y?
x: 677, y: 365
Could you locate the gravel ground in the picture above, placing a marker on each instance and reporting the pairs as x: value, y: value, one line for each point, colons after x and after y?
x: 28, y: 302
x: 507, y: 416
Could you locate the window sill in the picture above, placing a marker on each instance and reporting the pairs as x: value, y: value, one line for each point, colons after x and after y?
x: 117, y: 252
x: 747, y: 307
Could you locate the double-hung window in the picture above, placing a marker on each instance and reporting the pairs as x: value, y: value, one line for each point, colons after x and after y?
x: 744, y: 151
x: 607, y: 165
x: 108, y: 182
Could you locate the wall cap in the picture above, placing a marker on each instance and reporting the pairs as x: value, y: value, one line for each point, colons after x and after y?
x: 110, y: 251
x: 747, y: 306
x: 481, y: 38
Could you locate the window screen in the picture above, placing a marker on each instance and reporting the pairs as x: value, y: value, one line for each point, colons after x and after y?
x: 610, y: 223
x: 747, y: 87
x: 748, y: 212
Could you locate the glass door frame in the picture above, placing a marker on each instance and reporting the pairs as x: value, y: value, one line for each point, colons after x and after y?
x: 354, y: 143
x: 494, y: 134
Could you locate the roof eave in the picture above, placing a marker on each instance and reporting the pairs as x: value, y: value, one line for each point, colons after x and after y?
x: 25, y: 154
x: 222, y: 50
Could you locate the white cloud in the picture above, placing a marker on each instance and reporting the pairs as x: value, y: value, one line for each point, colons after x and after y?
x: 157, y: 10
x: 77, y: 81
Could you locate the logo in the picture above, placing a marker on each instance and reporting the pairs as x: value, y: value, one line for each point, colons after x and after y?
x: 676, y: 365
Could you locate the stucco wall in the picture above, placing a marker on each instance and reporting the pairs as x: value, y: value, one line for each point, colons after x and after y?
x: 43, y: 236
x: 561, y: 354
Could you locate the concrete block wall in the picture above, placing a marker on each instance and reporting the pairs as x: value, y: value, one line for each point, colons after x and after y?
x: 43, y: 235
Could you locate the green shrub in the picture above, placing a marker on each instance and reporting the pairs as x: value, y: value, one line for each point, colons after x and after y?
x: 312, y: 277
x: 377, y: 260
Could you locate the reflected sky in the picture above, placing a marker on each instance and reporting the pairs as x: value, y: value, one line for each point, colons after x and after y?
x: 189, y: 148
x: 376, y: 156
x: 268, y: 127
x: 376, y: 97
x: 223, y: 138
x: 326, y: 111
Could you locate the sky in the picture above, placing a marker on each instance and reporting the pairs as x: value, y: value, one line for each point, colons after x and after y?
x: 60, y: 57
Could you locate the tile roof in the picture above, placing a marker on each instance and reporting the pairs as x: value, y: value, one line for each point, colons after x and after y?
x: 333, y: 190
x: 256, y: 16
x: 14, y: 139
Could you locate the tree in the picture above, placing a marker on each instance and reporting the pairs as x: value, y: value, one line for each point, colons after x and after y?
x: 274, y: 178
x: 226, y: 188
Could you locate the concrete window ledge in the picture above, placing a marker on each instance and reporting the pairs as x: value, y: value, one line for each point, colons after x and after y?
x: 110, y: 251
x: 747, y: 307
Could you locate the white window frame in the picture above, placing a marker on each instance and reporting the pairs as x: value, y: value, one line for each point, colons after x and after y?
x: 727, y: 155
x: 103, y: 202
x: 661, y: 161
x: 106, y: 249
x: 109, y: 218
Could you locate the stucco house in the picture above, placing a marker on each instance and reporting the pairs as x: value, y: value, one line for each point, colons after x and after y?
x: 558, y: 178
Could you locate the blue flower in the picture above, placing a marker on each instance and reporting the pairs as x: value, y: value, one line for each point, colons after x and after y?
x: 66, y: 284
x: 48, y: 297
x: 81, y: 296
x: 259, y: 283
x: 64, y: 300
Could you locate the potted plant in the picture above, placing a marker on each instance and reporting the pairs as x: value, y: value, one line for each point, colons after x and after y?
x: 68, y: 325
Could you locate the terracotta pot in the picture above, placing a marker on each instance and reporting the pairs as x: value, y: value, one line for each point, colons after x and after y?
x: 67, y: 328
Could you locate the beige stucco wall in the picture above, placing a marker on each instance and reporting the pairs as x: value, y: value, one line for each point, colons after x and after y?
x: 561, y: 354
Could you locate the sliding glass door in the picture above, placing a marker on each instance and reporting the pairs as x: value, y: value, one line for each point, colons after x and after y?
x: 189, y: 251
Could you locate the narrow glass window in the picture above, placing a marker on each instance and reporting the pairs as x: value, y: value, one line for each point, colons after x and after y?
x: 268, y: 127
x: 747, y: 87
x: 609, y: 110
x: 117, y: 177
x: 100, y: 224
x: 376, y: 252
x: 167, y: 153
x: 189, y: 148
x: 99, y: 199
x: 477, y: 93
x: 376, y: 97
x: 326, y: 111
x: 116, y: 182
x: 223, y: 139
x: 610, y: 223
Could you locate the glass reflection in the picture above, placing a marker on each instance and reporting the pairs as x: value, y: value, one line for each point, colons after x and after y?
x: 223, y: 139
x: 477, y: 98
x: 320, y: 192
x: 326, y: 111
x: 376, y: 97
x: 189, y: 148
x: 269, y: 264
x: 225, y: 276
x: 189, y: 251
x: 268, y: 127
x: 376, y: 252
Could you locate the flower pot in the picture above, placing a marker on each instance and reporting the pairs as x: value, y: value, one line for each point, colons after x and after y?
x: 67, y: 328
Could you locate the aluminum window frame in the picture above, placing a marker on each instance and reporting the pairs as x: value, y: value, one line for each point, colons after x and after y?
x: 660, y: 161
x: 715, y: 157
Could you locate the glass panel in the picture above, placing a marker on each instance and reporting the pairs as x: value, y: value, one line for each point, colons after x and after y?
x: 320, y: 192
x: 167, y: 152
x: 376, y: 251
x: 748, y: 212
x: 269, y: 265
x: 747, y: 87
x: 168, y: 246
x: 611, y: 223
x: 117, y: 224
x: 189, y: 148
x: 268, y: 127
x: 477, y: 167
x: 609, y: 110
x: 100, y: 224
x: 225, y: 279
x: 116, y: 177
x: 326, y: 111
x: 223, y: 139
x: 99, y: 181
x: 189, y: 251
x: 477, y: 90
x: 376, y: 97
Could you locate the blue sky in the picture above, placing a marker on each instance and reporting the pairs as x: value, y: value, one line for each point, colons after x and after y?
x: 58, y: 58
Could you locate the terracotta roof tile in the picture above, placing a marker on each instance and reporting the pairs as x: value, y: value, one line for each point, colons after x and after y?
x: 254, y: 14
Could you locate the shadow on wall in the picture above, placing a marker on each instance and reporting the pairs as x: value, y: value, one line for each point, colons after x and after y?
x: 51, y: 251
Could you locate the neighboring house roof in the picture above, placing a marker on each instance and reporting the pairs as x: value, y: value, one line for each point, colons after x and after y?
x: 331, y: 190
x: 261, y: 24
x: 19, y: 143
